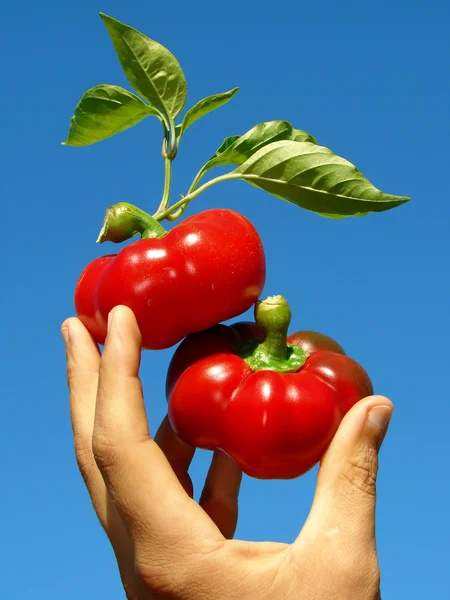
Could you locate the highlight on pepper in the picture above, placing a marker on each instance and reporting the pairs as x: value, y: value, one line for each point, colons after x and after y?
x: 270, y: 400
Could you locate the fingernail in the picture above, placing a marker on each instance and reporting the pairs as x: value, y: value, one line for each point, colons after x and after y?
x: 65, y: 335
x: 380, y: 416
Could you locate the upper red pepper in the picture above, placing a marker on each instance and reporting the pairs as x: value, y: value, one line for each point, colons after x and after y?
x: 272, y: 405
x: 207, y: 269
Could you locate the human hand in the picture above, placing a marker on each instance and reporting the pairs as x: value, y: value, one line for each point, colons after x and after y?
x: 169, y: 546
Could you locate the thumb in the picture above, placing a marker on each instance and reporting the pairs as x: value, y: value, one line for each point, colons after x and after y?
x: 346, y: 485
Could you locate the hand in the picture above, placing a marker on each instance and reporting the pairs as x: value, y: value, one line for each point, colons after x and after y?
x: 169, y: 546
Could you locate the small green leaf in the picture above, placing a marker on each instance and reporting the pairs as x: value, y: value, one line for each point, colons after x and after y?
x: 203, y: 107
x: 104, y: 111
x: 302, y: 136
x: 314, y: 178
x: 151, y: 69
x: 227, y: 142
x: 238, y: 151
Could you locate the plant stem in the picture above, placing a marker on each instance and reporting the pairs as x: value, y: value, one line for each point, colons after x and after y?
x: 167, y: 182
x: 123, y: 221
x: 197, y: 180
x: 273, y: 316
x: 176, y: 215
x: 190, y: 196
x: 167, y: 179
x: 173, y: 140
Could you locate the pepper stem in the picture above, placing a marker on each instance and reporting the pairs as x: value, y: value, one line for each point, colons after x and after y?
x: 123, y: 221
x: 273, y: 315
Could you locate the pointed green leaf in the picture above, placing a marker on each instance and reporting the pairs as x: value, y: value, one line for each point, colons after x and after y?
x: 104, y: 111
x: 203, y: 107
x: 151, y: 69
x: 314, y: 178
x: 227, y: 142
x: 302, y: 136
x: 244, y: 146
x: 236, y: 149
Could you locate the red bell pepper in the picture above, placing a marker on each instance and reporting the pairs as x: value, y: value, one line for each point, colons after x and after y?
x: 209, y: 268
x: 271, y: 402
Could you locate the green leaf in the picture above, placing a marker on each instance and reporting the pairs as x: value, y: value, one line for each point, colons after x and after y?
x: 314, y: 178
x: 235, y: 150
x: 302, y: 136
x: 151, y: 69
x: 203, y: 107
x: 104, y: 111
x: 227, y: 142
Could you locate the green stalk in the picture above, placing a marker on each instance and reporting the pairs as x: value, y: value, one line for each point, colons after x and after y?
x: 176, y: 215
x: 197, y: 179
x: 273, y: 315
x: 173, y: 140
x: 190, y: 196
x: 123, y: 221
x: 167, y: 177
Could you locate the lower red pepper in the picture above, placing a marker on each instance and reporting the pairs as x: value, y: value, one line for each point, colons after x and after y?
x: 271, y: 402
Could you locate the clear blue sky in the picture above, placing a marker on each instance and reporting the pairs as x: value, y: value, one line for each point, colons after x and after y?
x: 370, y: 81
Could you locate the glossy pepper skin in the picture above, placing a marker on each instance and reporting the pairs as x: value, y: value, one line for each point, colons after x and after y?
x: 209, y: 268
x: 274, y: 425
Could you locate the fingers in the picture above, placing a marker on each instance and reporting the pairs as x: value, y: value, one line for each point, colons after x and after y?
x: 120, y: 411
x: 219, y: 498
x: 345, y: 496
x: 83, y: 360
x: 178, y: 453
x: 138, y: 476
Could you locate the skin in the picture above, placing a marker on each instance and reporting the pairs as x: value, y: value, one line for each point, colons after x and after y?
x: 170, y: 547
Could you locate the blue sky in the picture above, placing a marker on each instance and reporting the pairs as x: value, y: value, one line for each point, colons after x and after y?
x: 370, y: 81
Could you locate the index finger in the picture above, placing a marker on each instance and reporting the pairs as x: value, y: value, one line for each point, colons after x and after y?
x: 83, y: 360
x: 137, y: 474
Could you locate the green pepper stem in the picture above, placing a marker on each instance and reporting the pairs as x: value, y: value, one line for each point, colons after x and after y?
x: 273, y: 315
x: 123, y: 221
x: 186, y: 199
